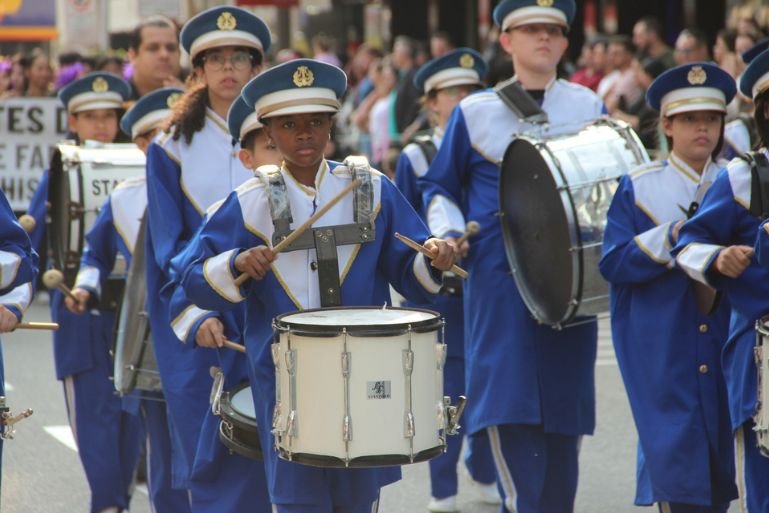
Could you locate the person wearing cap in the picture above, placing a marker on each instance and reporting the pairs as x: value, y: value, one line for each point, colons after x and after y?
x: 296, y: 102
x: 107, y: 437
x: 191, y: 165
x: 670, y: 365
x: 444, y: 81
x: 716, y: 247
x: 18, y: 271
x: 114, y: 232
x: 530, y: 387
x: 222, y: 480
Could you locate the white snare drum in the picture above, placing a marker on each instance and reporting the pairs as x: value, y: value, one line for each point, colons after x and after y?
x: 554, y: 194
x: 761, y: 417
x: 80, y: 179
x: 359, y: 387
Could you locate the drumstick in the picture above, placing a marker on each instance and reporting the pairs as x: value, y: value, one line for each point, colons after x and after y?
x: 232, y: 345
x: 52, y: 279
x: 37, y: 326
x: 305, y: 225
x: 471, y: 229
x: 27, y: 222
x: 426, y: 252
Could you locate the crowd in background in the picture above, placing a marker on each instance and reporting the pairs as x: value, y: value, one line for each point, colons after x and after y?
x: 381, y: 111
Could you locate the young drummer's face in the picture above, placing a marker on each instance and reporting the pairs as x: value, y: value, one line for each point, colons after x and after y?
x: 695, y: 134
x: 300, y: 138
x: 226, y: 70
x: 536, y: 47
x: 97, y: 125
x: 261, y: 153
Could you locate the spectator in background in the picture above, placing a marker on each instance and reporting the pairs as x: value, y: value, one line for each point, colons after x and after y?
x: 323, y: 50
x: 649, y: 40
x: 69, y: 73
x: 287, y: 54
x: 744, y: 42
x: 111, y: 64
x: 724, y: 54
x: 373, y: 115
x: 16, y: 80
x: 440, y: 44
x: 5, y: 75
x: 619, y: 89
x: 594, y: 56
x: 691, y: 46
x: 153, y: 53
x: 38, y: 74
x: 642, y: 118
x: 405, y: 108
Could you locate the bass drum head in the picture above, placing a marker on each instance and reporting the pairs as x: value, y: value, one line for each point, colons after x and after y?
x: 535, y: 228
x: 238, y: 430
x: 358, y: 321
x: 59, y: 222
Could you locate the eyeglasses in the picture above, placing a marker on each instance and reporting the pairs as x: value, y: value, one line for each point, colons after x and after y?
x: 551, y: 29
x: 240, y: 60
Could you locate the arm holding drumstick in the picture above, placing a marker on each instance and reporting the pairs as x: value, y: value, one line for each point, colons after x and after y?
x: 75, y: 300
x: 255, y: 262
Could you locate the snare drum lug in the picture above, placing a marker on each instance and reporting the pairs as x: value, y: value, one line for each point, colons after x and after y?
x: 408, y: 361
x: 347, y: 429
x: 291, y: 427
x: 408, y: 428
x: 291, y: 363
x: 346, y: 365
x: 275, y: 417
x: 440, y: 354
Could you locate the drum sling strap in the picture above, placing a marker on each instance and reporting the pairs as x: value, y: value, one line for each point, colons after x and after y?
x: 326, y: 239
x: 520, y: 102
x: 759, y: 183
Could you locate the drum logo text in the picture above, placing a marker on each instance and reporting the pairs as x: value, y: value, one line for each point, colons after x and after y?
x: 378, y: 389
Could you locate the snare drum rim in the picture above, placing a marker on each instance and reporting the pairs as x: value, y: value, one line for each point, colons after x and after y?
x: 370, y: 330
x: 227, y: 412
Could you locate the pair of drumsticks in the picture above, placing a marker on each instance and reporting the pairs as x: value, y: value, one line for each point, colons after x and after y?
x: 472, y: 228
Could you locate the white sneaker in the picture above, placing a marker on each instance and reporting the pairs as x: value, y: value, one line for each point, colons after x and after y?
x: 445, y: 505
x: 488, y: 492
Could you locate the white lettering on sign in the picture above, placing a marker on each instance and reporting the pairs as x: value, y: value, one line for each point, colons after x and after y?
x: 30, y: 128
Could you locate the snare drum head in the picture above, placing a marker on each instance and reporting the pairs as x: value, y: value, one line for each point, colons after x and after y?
x: 369, y: 320
x: 243, y: 403
x: 554, y: 195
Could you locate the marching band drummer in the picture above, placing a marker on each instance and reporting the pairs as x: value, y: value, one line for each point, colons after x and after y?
x: 190, y: 166
x: 220, y: 479
x: 670, y: 365
x: 444, y: 82
x: 115, y: 231
x: 107, y: 438
x: 531, y: 387
x: 296, y: 102
x: 18, y: 270
x: 715, y: 247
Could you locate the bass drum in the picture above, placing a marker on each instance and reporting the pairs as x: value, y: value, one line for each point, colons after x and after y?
x: 135, y: 364
x: 80, y: 179
x: 554, y: 197
x: 761, y: 416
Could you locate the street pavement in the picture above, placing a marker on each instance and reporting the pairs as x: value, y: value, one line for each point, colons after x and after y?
x: 42, y: 473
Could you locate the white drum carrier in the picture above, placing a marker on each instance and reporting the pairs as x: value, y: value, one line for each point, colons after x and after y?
x: 360, y: 387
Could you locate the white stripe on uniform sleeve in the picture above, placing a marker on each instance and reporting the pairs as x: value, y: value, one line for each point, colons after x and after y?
x: 424, y: 276
x: 444, y: 216
x: 695, y: 258
x: 89, y: 277
x: 20, y: 297
x: 9, y: 267
x: 656, y: 244
x: 216, y: 271
x: 185, y: 320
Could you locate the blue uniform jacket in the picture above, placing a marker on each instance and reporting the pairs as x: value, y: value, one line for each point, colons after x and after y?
x: 366, y: 271
x: 518, y: 371
x: 18, y: 262
x: 183, y: 180
x: 668, y: 352
x: 723, y: 220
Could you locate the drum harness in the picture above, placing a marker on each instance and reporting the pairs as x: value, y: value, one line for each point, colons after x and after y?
x: 325, y: 239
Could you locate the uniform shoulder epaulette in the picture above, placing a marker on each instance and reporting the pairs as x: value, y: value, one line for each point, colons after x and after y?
x: 657, y: 165
x: 130, y: 183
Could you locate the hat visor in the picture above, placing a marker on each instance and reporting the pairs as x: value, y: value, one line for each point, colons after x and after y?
x: 300, y: 109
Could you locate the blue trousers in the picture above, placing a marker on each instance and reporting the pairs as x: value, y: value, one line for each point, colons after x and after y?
x: 443, y: 469
x: 752, y: 471
x: 108, y: 438
x: 537, y: 472
x: 164, y: 498
x: 325, y: 505
x: 673, y: 507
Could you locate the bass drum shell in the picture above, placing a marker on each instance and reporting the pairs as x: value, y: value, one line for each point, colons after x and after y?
x: 135, y: 365
x: 554, y: 195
